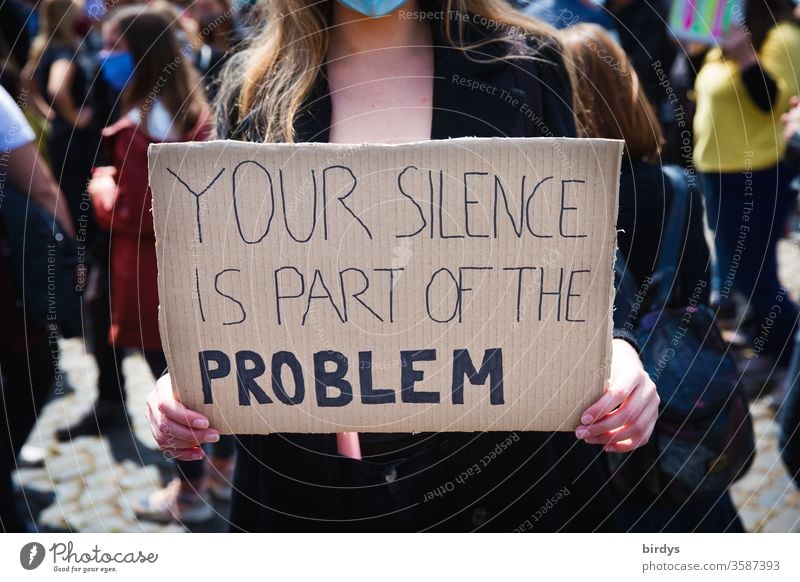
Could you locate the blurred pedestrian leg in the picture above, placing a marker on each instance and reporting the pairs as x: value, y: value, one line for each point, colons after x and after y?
x: 789, y: 442
x: 108, y: 412
x: 747, y: 212
x: 27, y: 370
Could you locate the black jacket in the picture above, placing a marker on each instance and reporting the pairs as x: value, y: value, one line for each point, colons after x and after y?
x: 540, y: 103
x: 298, y: 482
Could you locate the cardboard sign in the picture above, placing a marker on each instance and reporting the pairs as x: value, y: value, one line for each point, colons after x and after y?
x: 704, y: 21
x: 456, y: 285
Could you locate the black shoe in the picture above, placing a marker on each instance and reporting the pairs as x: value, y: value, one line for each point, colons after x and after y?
x: 104, y: 416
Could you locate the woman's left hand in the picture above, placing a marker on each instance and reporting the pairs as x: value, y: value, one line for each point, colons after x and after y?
x: 791, y: 119
x: 623, y: 418
x: 738, y: 45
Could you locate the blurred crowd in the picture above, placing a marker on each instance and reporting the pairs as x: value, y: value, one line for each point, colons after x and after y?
x: 88, y: 85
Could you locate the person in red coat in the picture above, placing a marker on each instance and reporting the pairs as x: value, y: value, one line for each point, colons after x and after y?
x: 163, y: 101
x: 126, y: 213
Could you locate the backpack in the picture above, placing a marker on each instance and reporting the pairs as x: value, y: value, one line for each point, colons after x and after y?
x: 703, y: 440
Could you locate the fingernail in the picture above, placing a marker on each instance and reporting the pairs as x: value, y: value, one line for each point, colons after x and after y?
x: 581, y: 432
x: 197, y: 457
x: 211, y: 437
x: 200, y: 423
x: 586, y: 419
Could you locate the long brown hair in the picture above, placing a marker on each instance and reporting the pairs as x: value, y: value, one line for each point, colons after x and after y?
x: 270, y: 79
x: 163, y: 67
x: 614, y: 105
x: 57, y: 20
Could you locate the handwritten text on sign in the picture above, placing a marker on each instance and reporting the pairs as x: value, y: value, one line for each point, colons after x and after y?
x: 445, y: 285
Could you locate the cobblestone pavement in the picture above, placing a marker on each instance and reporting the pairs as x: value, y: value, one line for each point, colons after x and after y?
x: 766, y: 497
x: 90, y: 484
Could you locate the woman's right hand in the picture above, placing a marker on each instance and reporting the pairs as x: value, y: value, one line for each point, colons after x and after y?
x: 84, y: 118
x: 178, y: 431
x: 103, y: 187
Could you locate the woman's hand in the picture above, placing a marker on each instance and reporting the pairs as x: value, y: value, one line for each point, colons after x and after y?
x: 623, y: 418
x: 791, y: 119
x: 738, y: 45
x: 84, y: 118
x: 103, y: 188
x: 178, y: 431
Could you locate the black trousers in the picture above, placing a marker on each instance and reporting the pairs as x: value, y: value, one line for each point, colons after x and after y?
x: 430, y: 482
x: 28, y: 359
x: 110, y: 382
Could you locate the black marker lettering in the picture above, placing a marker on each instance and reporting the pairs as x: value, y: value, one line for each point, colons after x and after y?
x: 456, y: 307
x: 223, y: 368
x: 356, y: 296
x: 570, y: 294
x: 236, y: 202
x: 197, y: 196
x: 469, y: 202
x: 280, y: 359
x: 324, y: 379
x: 410, y: 376
x: 286, y: 210
x: 370, y: 395
x: 491, y: 368
x: 279, y: 296
x: 528, y: 207
x: 327, y: 295
x: 246, y: 377
x: 342, y: 199
x: 565, y: 208
x: 236, y: 301
x: 414, y: 202
x: 556, y: 293
x: 498, y: 187
x: 520, y: 271
x: 391, y: 290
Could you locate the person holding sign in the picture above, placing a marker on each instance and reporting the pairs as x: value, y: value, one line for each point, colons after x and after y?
x: 353, y: 71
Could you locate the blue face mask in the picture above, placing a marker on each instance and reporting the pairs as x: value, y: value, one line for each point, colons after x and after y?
x: 373, y: 8
x: 117, y: 68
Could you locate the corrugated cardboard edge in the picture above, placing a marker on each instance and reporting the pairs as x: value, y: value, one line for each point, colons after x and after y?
x: 621, y: 145
x: 155, y: 150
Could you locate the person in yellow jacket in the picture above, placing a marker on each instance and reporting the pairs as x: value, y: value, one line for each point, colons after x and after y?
x: 742, y: 89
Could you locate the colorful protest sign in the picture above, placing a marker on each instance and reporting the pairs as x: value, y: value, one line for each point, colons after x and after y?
x: 704, y: 21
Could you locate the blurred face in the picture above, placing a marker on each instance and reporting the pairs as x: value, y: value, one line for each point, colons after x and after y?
x: 116, y: 62
x: 207, y: 11
x: 112, y: 39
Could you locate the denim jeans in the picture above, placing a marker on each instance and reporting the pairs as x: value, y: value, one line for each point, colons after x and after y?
x: 747, y: 212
